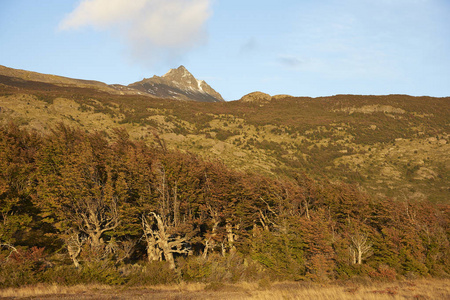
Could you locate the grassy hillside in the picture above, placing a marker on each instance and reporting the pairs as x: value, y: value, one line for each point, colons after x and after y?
x: 396, y: 146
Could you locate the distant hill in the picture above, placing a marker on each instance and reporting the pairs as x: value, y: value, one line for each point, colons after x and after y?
x: 17, y: 77
x: 177, y: 84
x: 395, y: 146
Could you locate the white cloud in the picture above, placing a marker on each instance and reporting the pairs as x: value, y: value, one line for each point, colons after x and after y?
x: 153, y: 29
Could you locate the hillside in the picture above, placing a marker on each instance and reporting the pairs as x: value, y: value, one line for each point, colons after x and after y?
x: 395, y: 146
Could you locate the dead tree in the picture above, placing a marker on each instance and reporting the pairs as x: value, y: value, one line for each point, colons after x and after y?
x: 162, y: 239
x: 11, y: 248
x: 95, y: 217
x: 165, y: 231
x: 264, y: 218
x: 360, y: 247
x: 231, y: 236
x: 215, y: 218
x: 121, y: 250
x: 210, y: 240
x: 154, y: 253
x: 74, y: 243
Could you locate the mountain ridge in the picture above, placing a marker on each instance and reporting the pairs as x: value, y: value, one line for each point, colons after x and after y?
x: 171, y: 85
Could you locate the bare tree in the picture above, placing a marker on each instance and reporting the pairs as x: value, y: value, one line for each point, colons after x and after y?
x: 74, y: 243
x: 231, y: 236
x: 120, y: 249
x: 11, y: 248
x: 165, y: 231
x: 360, y: 247
x: 154, y: 253
x: 161, y: 236
x: 96, y: 216
x: 210, y: 238
x: 275, y: 219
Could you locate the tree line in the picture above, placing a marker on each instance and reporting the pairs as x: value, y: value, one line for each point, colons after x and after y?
x: 76, y: 201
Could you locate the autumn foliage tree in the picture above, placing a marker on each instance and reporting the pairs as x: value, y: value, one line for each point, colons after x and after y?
x: 79, y: 189
x: 17, y: 164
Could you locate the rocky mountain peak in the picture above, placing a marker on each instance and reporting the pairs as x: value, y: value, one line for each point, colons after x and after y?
x: 179, y: 84
x: 181, y: 76
x: 180, y: 71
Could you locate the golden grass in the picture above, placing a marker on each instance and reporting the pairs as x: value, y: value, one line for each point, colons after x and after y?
x: 431, y: 289
x: 418, y: 290
x: 40, y: 290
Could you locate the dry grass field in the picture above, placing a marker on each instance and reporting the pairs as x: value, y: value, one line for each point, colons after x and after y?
x: 417, y: 289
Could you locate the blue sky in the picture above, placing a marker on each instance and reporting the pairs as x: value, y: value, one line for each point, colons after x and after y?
x: 302, y: 48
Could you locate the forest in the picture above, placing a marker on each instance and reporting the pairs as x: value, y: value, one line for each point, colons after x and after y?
x: 82, y: 207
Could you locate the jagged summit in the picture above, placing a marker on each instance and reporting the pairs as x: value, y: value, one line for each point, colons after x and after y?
x: 181, y: 70
x: 178, y: 84
x: 181, y: 76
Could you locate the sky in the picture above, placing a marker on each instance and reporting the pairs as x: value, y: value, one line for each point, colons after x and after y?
x: 297, y: 47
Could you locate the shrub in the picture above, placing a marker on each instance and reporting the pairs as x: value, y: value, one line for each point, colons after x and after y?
x: 282, y: 254
x: 383, y: 273
x: 216, y: 268
x: 22, y: 267
x: 195, y: 269
x: 157, y: 272
x: 104, y: 272
x: 222, y: 135
x: 62, y: 275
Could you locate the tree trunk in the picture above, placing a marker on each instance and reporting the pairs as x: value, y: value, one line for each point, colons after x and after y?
x: 307, y: 210
x: 230, y: 237
x: 75, y: 260
x: 153, y: 252
x: 163, y: 241
x: 205, y: 251
x: 74, y: 245
x: 168, y: 255
x: 96, y: 240
x: 359, y: 255
x: 353, y: 254
x: 224, y: 249
x: 209, y: 243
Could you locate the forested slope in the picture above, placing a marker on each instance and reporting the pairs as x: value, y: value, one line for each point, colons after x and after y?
x: 119, y: 211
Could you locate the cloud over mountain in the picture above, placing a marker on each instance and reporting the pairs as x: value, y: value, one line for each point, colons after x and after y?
x: 152, y: 29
